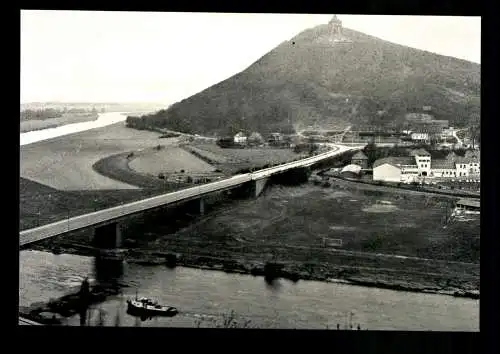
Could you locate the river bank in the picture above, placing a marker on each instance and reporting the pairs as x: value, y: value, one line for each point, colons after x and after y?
x: 382, y: 278
x: 66, y: 118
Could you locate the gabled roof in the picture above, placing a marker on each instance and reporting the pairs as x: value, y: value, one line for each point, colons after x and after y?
x: 443, y: 164
x: 359, y: 156
x: 352, y: 168
x: 419, y: 152
x: 394, y: 161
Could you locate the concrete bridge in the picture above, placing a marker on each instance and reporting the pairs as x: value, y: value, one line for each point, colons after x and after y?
x: 106, y: 223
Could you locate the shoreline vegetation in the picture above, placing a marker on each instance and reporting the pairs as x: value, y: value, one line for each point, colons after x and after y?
x: 33, y: 117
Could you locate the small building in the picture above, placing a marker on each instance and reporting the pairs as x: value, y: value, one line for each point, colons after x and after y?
x: 240, y: 138
x: 420, y: 137
x: 469, y: 204
x: 351, y: 171
x: 360, y: 159
x: 391, y: 169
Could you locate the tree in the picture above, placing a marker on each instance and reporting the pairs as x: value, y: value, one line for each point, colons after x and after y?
x: 255, y: 139
x: 370, y: 151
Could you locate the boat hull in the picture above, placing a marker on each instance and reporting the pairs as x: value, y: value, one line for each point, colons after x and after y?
x: 150, y: 312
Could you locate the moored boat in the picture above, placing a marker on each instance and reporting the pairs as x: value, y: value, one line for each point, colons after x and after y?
x: 146, y: 307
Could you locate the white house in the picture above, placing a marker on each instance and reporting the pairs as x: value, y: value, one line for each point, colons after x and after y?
x: 419, y: 136
x: 240, y: 138
x: 392, y: 169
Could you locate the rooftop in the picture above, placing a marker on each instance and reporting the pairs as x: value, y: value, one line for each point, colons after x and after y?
x: 419, y: 152
x: 352, y: 168
x: 442, y: 164
x: 395, y: 161
x: 359, y: 156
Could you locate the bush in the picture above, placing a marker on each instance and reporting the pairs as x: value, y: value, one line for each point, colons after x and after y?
x: 161, y: 175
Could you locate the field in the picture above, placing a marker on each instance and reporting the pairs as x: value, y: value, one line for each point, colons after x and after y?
x: 66, y: 162
x: 39, y: 204
x: 230, y: 161
x: 169, y: 160
x: 393, y: 239
x: 385, y: 238
x: 67, y: 118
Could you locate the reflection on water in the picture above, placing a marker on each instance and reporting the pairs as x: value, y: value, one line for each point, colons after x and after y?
x: 107, y: 270
x: 206, y: 296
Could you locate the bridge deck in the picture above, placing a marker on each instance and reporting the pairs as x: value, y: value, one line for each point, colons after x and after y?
x: 112, y: 214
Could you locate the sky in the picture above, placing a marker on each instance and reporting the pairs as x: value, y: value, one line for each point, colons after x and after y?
x: 76, y: 56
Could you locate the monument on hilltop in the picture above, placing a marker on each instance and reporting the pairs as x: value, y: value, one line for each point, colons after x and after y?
x: 335, y: 27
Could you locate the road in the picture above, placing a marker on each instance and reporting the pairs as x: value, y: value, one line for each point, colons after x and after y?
x: 25, y: 322
x: 118, y: 212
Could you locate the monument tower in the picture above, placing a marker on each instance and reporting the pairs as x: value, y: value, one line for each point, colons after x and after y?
x: 335, y: 27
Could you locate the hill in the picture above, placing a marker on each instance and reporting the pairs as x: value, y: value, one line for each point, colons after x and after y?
x: 313, y: 81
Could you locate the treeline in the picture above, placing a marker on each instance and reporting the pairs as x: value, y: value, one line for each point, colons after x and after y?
x: 159, y: 120
x: 40, y: 114
x: 49, y: 113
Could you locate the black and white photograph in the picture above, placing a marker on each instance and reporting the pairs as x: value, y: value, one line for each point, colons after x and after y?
x: 250, y: 170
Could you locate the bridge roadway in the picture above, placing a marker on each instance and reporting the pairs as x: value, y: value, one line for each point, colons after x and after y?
x: 113, y: 214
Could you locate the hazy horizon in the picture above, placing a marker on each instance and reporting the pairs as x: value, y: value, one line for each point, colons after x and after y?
x: 98, y: 57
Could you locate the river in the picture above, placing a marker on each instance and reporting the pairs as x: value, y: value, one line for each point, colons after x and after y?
x: 202, y: 293
x: 207, y: 294
x: 103, y: 120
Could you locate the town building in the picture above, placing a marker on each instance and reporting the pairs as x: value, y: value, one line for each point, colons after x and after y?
x: 420, y: 137
x: 240, y: 138
x: 419, y: 166
x: 360, y: 159
x: 351, y: 171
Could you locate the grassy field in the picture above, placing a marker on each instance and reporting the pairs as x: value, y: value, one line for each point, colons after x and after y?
x: 168, y: 160
x: 230, y: 161
x: 67, y: 118
x: 388, y: 239
x: 39, y: 204
x: 66, y: 162
x: 290, y: 225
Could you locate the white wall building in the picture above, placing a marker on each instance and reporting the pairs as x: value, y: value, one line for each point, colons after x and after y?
x: 240, y: 138
x: 419, y: 136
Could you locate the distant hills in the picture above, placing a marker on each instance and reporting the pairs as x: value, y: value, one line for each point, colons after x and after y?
x: 315, y: 81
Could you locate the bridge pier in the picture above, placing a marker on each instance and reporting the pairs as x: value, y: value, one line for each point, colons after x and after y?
x: 258, y: 187
x: 201, y: 203
x: 108, y: 236
x: 196, y: 206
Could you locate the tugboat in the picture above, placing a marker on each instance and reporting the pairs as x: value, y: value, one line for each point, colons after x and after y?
x: 147, y: 308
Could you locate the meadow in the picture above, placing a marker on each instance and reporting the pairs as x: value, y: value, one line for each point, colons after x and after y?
x: 231, y: 161
x: 66, y: 163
